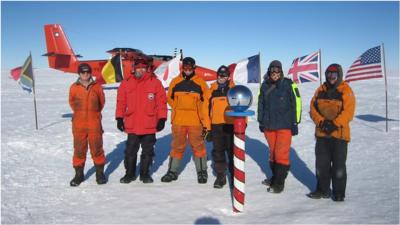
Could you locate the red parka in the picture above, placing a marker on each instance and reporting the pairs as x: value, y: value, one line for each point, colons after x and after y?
x: 141, y: 103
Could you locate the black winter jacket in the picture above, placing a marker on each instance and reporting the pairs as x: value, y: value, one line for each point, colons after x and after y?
x: 277, y: 109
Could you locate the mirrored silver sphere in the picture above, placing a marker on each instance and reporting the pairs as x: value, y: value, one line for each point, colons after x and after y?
x: 240, y: 98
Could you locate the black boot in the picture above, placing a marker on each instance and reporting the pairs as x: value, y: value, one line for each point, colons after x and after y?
x: 145, y: 164
x: 318, y: 194
x: 130, y: 167
x: 220, y: 181
x: 268, y: 181
x: 276, y: 188
x: 338, y: 198
x: 172, y: 173
x: 79, y: 177
x: 100, y: 177
x: 280, y: 173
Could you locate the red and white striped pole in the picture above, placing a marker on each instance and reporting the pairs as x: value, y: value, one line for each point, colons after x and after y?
x: 240, y: 99
x: 238, y: 160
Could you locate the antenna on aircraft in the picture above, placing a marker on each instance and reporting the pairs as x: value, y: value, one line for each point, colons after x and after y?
x: 175, y: 50
x: 181, y: 54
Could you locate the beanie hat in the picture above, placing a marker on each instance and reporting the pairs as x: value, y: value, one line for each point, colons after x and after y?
x: 84, y: 67
x: 223, y: 71
x: 189, y: 61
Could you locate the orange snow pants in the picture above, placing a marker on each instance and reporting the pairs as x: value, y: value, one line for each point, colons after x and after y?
x: 81, y: 141
x: 279, y: 142
x: 180, y: 135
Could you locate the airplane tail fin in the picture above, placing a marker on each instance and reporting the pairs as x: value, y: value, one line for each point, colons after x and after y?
x: 59, y: 51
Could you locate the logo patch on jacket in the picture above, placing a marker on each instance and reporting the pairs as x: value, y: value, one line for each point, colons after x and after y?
x: 150, y: 96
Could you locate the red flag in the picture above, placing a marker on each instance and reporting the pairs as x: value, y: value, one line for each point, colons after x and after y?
x: 16, y: 73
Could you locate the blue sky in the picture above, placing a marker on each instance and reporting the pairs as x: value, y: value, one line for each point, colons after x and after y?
x: 214, y: 33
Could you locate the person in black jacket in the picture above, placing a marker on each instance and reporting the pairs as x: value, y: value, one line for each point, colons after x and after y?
x: 277, y: 118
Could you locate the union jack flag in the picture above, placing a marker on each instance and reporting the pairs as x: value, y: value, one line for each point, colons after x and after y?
x: 305, y: 68
x: 367, y: 66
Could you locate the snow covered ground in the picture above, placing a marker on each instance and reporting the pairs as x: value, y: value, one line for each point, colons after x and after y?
x: 36, y: 168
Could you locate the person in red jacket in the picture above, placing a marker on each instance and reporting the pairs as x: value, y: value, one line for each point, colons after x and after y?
x: 86, y: 99
x: 141, y: 112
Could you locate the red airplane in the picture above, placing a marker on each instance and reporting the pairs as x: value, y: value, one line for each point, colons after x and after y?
x: 62, y: 57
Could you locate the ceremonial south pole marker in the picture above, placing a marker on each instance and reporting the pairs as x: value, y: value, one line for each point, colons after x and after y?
x: 240, y: 99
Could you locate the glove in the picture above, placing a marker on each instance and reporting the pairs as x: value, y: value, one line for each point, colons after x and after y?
x: 120, y: 124
x: 327, y: 126
x: 205, y: 133
x: 161, y: 124
x: 209, y: 136
x: 295, y: 129
x: 261, y: 128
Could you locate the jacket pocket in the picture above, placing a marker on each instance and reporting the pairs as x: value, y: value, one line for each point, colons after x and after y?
x: 186, y: 101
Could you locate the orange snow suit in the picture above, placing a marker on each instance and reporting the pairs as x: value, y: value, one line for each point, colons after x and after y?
x: 86, y: 105
x: 189, y: 115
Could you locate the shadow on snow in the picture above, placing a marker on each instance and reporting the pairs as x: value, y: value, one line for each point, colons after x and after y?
x: 256, y: 149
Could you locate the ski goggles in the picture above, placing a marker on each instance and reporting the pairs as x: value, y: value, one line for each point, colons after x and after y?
x: 332, y: 75
x: 275, y: 70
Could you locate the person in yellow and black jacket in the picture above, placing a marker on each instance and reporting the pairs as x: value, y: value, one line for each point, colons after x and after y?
x: 221, y: 126
x: 332, y: 108
x: 186, y: 96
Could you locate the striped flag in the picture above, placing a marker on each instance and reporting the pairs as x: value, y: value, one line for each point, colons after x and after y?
x: 305, y: 68
x: 367, y: 66
x: 247, y: 70
x: 112, y: 70
x: 24, y: 75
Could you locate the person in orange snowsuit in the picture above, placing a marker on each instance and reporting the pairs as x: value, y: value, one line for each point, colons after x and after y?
x: 86, y: 99
x: 186, y: 96
x: 332, y: 108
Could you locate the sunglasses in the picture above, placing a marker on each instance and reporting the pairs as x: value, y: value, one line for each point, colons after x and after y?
x: 275, y: 70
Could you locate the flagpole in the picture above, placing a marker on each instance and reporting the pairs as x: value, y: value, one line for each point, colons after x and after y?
x: 320, y: 74
x: 34, y: 93
x: 384, y: 75
x: 120, y: 64
x: 259, y: 65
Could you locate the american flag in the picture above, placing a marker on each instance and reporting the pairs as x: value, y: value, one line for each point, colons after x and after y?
x: 367, y: 66
x: 305, y: 68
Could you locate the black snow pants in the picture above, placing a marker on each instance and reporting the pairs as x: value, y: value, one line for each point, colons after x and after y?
x: 222, y: 138
x: 330, y: 163
x: 133, y: 144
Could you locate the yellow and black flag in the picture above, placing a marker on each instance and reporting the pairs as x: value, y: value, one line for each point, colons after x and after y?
x: 112, y: 70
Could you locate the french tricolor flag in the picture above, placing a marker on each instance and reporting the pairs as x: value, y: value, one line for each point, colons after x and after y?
x: 247, y: 70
